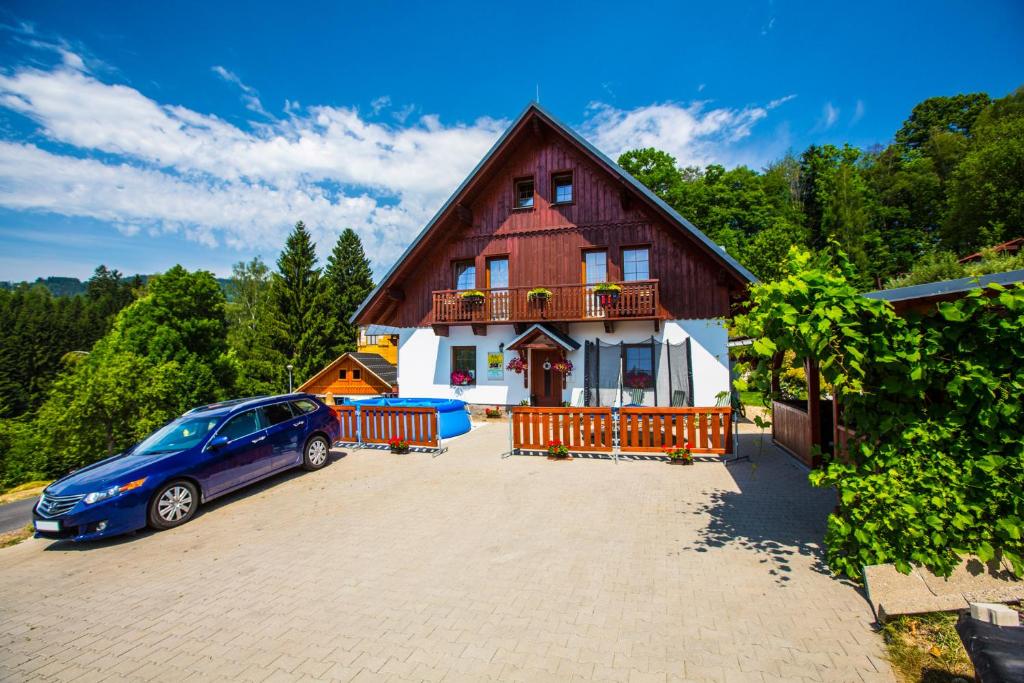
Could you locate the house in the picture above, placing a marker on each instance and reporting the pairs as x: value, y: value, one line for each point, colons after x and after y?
x: 378, y: 340
x: 551, y: 275
x: 354, y: 374
x: 1008, y: 248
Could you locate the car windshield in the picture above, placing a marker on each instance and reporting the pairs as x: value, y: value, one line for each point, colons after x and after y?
x: 183, y: 433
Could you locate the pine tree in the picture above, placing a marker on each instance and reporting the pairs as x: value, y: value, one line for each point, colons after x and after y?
x: 301, y: 301
x: 349, y: 282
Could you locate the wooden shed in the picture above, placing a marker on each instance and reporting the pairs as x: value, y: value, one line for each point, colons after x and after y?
x: 354, y: 374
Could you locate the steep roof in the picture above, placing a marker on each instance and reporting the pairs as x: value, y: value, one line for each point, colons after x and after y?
x: 535, y: 111
x: 373, y: 363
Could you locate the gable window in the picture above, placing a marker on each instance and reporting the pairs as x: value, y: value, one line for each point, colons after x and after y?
x: 636, y: 263
x: 463, y: 365
x: 524, y: 193
x: 342, y: 374
x: 561, y: 188
x: 638, y: 364
x: 357, y: 374
x: 465, y: 275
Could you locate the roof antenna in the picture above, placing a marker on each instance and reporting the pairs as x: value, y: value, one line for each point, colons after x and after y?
x: 538, y: 93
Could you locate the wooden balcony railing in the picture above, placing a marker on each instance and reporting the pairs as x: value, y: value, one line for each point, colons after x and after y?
x: 637, y: 300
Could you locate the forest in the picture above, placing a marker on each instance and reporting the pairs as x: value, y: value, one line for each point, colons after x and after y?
x: 86, y: 374
x: 950, y: 183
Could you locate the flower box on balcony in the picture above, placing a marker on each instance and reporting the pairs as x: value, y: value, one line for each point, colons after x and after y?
x: 608, y: 293
x: 539, y: 295
x: 473, y: 297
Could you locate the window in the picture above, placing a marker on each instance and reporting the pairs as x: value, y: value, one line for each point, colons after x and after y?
x: 357, y: 373
x: 302, y: 407
x: 636, y: 264
x: 524, y: 193
x: 497, y: 273
x: 277, y: 413
x: 561, y: 188
x: 638, y: 362
x: 241, y: 425
x: 595, y: 267
x: 463, y: 365
x: 342, y: 374
x: 465, y: 275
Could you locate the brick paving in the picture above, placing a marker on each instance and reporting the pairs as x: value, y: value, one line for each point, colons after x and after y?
x: 463, y: 566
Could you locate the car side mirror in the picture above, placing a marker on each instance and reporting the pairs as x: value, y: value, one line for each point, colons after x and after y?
x: 217, y: 442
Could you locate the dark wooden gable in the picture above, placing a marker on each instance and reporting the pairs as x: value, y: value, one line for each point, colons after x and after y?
x: 545, y: 244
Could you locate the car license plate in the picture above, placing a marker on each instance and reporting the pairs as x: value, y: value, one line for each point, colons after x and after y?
x: 44, y: 525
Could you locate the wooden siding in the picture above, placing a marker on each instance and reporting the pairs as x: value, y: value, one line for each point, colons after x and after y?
x: 544, y: 245
x: 367, y: 384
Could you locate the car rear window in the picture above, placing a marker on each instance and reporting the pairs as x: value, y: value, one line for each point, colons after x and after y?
x: 277, y: 413
x: 303, y: 406
x: 241, y: 425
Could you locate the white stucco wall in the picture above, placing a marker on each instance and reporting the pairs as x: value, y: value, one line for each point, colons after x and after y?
x: 424, y: 359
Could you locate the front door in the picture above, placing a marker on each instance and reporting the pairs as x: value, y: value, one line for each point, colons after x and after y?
x: 545, y: 385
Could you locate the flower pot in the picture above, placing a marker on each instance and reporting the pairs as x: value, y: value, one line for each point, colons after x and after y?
x: 559, y: 457
x: 680, y: 462
x: 399, y: 450
x: 608, y: 300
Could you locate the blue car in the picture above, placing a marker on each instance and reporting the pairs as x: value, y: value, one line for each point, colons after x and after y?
x: 207, y: 452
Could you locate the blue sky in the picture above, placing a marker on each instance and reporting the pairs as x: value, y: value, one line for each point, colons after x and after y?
x: 140, y: 135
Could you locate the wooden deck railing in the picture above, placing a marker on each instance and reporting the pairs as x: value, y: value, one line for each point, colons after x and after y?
x: 380, y: 424
x: 638, y: 299
x: 580, y: 429
x: 347, y: 421
x: 707, y: 430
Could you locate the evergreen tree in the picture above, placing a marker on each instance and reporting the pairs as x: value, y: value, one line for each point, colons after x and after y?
x: 349, y: 282
x: 300, y: 297
x: 252, y: 331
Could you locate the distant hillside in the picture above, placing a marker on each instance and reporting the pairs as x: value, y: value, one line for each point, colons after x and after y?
x: 72, y: 286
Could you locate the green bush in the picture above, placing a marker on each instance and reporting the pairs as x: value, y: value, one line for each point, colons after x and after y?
x: 936, y: 402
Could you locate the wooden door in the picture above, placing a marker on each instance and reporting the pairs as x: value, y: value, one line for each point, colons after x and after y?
x: 545, y: 385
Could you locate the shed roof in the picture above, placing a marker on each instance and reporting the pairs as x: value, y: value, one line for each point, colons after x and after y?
x: 945, y: 289
x: 373, y: 363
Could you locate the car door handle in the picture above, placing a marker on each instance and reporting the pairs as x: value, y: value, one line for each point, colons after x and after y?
x: 259, y: 439
x: 299, y: 423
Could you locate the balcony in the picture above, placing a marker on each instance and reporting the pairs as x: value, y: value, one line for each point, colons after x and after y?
x: 638, y: 300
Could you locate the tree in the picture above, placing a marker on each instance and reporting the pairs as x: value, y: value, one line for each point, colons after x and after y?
x: 300, y: 298
x: 166, y: 353
x: 252, y: 331
x: 955, y: 114
x: 349, y: 282
x: 655, y: 169
x: 986, y: 193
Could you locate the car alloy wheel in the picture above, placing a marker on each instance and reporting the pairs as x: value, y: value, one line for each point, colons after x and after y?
x: 316, y: 454
x: 174, y: 504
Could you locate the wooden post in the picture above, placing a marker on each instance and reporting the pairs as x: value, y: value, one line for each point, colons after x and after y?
x: 813, y: 408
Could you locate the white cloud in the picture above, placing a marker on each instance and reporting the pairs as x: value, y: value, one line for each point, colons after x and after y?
x: 382, y: 102
x: 693, y: 133
x: 108, y: 152
x: 858, y: 113
x: 250, y: 96
x: 829, y: 116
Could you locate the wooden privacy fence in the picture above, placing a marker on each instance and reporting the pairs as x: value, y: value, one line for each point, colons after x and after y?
x: 580, y: 429
x: 637, y: 430
x: 380, y: 424
x: 707, y: 430
x: 349, y: 432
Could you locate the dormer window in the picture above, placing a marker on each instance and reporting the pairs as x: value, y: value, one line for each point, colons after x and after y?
x: 561, y: 188
x: 524, y: 193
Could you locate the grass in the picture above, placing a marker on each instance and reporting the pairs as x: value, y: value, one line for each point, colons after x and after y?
x: 27, y: 490
x: 14, y: 537
x: 926, y: 648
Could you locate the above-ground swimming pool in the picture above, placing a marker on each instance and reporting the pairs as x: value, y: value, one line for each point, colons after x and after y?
x: 452, y: 416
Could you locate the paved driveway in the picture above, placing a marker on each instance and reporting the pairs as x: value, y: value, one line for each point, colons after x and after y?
x: 459, y: 567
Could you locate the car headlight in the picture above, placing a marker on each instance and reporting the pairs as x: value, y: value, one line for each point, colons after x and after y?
x: 97, y: 496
